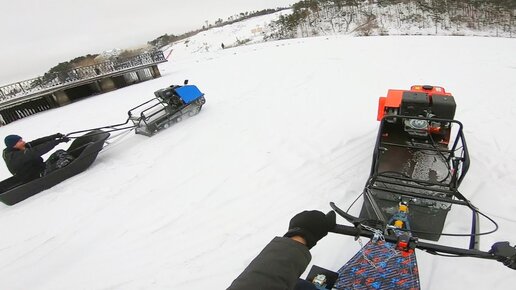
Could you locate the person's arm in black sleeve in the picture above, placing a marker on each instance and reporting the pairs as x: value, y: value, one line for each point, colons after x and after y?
x: 284, y: 259
x: 42, y: 140
x: 278, y: 266
x: 41, y: 149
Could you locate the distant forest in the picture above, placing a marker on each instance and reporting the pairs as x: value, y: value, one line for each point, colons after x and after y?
x: 384, y: 17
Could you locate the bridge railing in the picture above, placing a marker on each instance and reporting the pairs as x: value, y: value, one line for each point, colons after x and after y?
x: 35, y: 85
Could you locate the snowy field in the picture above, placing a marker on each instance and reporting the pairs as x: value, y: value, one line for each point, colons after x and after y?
x: 287, y: 126
x: 249, y: 31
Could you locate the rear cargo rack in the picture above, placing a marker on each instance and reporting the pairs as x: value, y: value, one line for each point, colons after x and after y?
x: 424, y: 170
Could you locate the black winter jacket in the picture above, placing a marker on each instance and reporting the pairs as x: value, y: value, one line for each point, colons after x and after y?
x: 277, y: 267
x: 27, y: 165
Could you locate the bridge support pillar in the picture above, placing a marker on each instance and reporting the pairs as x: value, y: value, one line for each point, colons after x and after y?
x: 155, y: 71
x: 107, y: 85
x: 61, y: 98
x: 142, y: 75
x: 95, y: 87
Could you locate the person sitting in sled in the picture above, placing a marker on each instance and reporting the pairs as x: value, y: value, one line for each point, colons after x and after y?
x: 284, y: 259
x: 24, y: 159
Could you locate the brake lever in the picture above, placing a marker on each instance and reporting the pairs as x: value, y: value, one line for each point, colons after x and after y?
x: 356, y: 221
x: 353, y: 220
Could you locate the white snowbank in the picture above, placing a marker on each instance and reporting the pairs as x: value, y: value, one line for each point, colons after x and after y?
x: 287, y: 126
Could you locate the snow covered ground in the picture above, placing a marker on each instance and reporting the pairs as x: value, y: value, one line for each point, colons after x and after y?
x: 287, y: 126
x: 249, y: 31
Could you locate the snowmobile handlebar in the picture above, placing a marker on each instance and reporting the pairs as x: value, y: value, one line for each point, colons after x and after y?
x: 500, y: 251
x: 414, y: 243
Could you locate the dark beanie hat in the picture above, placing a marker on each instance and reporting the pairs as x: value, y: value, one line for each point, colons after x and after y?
x: 11, y: 140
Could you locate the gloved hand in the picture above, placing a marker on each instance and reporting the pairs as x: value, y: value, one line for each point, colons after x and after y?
x: 505, y: 253
x: 63, y: 139
x: 311, y: 225
x: 57, y: 136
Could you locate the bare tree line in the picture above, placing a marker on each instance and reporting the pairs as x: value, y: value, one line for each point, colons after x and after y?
x: 381, y: 17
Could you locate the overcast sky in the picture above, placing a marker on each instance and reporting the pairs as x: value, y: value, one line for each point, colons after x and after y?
x: 38, y: 34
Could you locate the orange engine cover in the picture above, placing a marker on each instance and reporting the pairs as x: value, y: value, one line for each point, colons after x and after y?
x: 392, y: 101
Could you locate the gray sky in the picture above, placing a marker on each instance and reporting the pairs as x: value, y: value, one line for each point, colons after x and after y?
x: 36, y: 35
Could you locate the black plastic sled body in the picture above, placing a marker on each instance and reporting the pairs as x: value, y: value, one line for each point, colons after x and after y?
x: 84, y: 150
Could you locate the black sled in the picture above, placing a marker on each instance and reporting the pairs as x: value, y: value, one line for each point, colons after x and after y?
x: 84, y: 149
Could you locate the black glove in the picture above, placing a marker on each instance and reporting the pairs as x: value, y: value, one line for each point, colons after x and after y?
x: 311, y: 225
x: 63, y: 139
x: 57, y: 136
x: 504, y: 253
